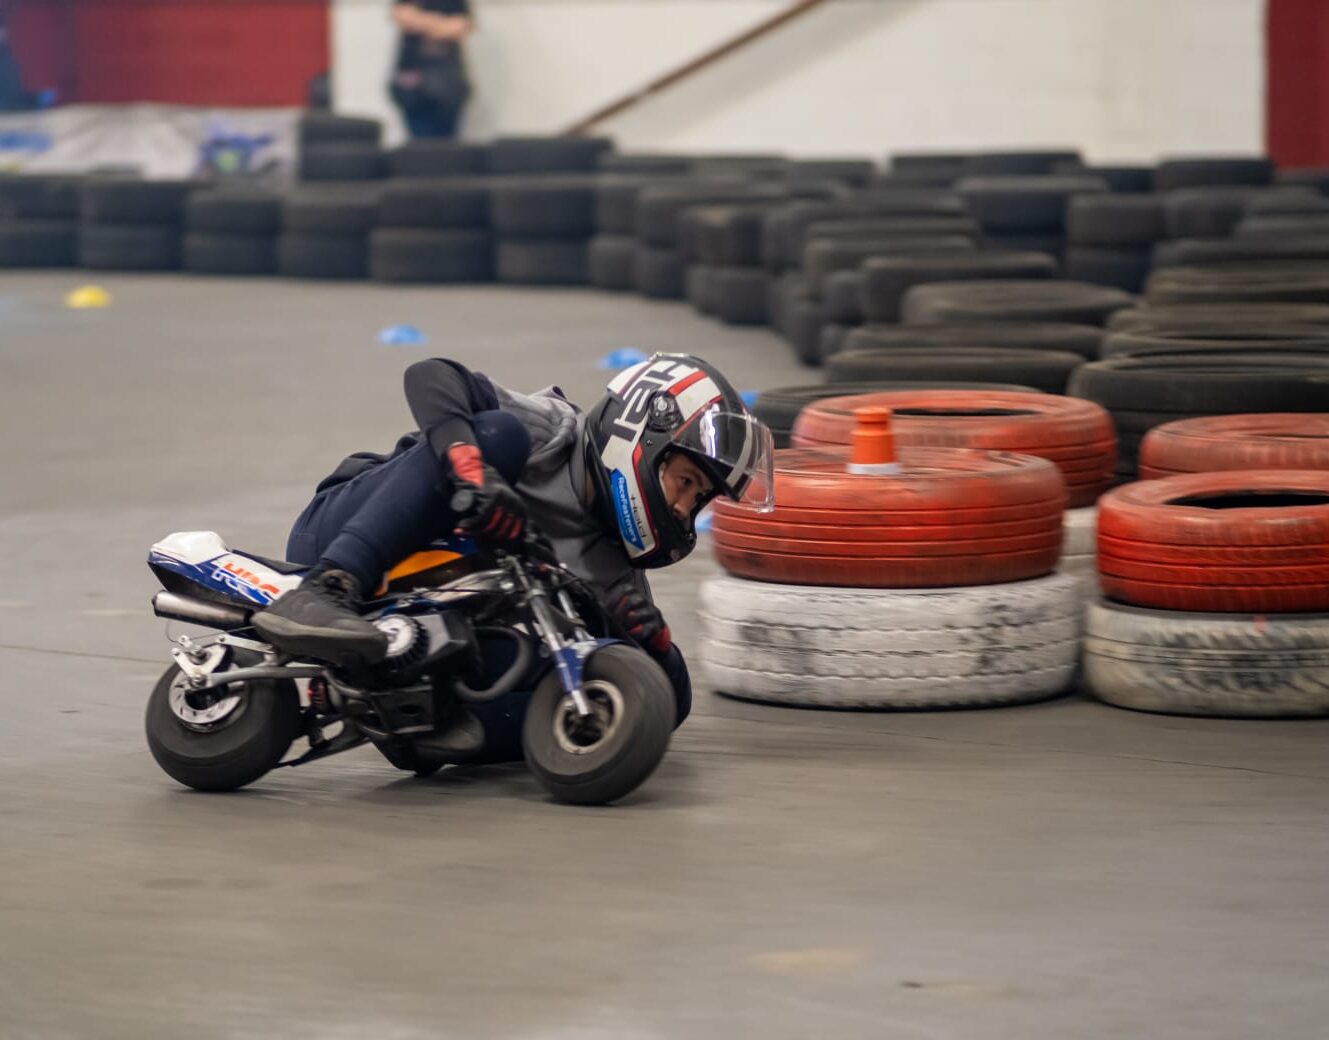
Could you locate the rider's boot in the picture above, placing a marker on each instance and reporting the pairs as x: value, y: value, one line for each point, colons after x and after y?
x: 319, y: 619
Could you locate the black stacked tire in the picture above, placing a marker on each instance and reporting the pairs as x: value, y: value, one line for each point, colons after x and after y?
x: 611, y: 262
x: 1012, y: 300
x: 1144, y: 392
x: 509, y: 155
x: 38, y: 243
x: 430, y: 255
x: 1110, y: 238
x: 326, y: 235
x: 550, y: 262
x: 433, y: 230
x: 1285, y: 282
x: 1045, y: 370
x: 430, y: 158
x: 232, y: 232
x: 886, y: 279
x: 1085, y: 340
x: 343, y: 161
x: 1218, y: 170
x: 543, y: 226
x: 132, y: 225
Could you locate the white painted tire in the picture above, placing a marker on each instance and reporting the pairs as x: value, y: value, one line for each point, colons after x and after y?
x: 1079, y: 528
x: 1207, y: 664
x: 890, y: 648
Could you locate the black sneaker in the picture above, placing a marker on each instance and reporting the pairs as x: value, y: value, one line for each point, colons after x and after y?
x: 318, y: 619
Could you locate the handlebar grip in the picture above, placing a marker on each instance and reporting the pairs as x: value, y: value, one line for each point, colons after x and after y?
x: 462, y: 502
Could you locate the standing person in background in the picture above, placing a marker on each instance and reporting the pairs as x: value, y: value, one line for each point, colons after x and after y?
x: 12, y: 95
x: 429, y: 84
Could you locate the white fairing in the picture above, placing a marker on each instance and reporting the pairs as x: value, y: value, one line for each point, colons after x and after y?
x: 206, y: 551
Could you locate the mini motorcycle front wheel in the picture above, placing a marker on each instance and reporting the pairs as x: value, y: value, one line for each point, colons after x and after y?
x: 225, y: 739
x: 600, y: 758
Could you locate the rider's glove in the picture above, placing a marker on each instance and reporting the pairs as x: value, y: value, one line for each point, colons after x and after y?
x: 643, y: 622
x: 499, y: 515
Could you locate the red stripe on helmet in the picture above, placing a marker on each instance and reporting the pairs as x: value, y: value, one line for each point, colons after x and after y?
x: 679, y: 387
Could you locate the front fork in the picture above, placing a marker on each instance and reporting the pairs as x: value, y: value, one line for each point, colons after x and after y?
x: 569, y: 654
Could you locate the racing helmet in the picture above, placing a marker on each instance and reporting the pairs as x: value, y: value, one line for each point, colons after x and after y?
x: 673, y: 403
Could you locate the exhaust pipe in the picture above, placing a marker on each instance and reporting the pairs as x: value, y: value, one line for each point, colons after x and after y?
x: 199, y: 612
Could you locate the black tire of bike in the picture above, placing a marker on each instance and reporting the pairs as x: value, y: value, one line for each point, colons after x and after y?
x: 233, y: 756
x: 633, y: 751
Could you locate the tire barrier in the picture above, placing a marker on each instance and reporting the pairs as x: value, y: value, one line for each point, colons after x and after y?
x: 207, y: 252
x: 611, y: 262
x: 426, y: 157
x: 1193, y: 173
x: 1075, y: 435
x: 1243, y: 541
x: 1271, y: 442
x: 415, y: 204
x: 39, y: 196
x: 1084, y: 340
x: 1012, y: 300
x: 779, y: 408
x: 343, y: 161
x: 1046, y: 370
x: 1024, y: 204
x: 902, y: 649
x: 1233, y: 665
x: 887, y: 279
x: 430, y: 255
x: 129, y: 247
x: 1217, y: 340
x: 1305, y: 281
x: 1144, y: 392
x: 542, y: 262
x: 520, y: 155
x: 951, y: 517
x: 37, y: 243
x: 1079, y: 550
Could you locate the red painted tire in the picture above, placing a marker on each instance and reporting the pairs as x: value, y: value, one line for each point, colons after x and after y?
x: 1075, y: 434
x: 1279, y: 440
x: 952, y: 517
x: 1233, y: 541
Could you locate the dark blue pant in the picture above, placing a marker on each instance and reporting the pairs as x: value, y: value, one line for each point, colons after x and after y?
x: 428, y: 120
x: 373, y: 521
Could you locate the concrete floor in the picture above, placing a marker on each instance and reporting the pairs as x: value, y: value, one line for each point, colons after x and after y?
x: 1060, y: 870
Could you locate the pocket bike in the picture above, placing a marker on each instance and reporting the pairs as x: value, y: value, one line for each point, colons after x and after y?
x: 489, y: 660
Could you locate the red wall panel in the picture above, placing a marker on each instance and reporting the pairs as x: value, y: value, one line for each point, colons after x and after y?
x: 1297, y: 87
x: 194, y: 52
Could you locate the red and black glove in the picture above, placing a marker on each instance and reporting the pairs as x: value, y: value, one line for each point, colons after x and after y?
x: 643, y: 622
x: 498, y: 517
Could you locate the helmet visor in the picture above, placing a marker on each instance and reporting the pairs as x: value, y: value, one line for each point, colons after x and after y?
x: 738, y: 452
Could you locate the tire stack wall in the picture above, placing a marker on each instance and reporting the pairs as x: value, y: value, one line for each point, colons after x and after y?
x: 929, y: 588
x: 132, y: 225
x: 1216, y: 592
x: 325, y: 233
x: 340, y: 148
x: 232, y: 232
x: 433, y: 230
x: 38, y: 221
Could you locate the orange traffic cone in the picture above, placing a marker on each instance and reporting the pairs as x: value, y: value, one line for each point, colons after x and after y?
x: 873, y: 447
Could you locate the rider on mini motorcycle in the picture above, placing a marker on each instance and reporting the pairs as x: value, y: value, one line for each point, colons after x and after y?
x: 616, y: 491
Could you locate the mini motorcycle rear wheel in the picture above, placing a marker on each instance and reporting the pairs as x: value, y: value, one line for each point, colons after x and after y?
x: 231, y: 752
x: 602, y: 758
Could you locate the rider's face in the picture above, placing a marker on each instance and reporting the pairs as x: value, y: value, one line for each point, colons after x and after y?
x: 685, y: 486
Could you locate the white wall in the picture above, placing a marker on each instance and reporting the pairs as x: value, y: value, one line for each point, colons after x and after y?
x: 1121, y: 79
